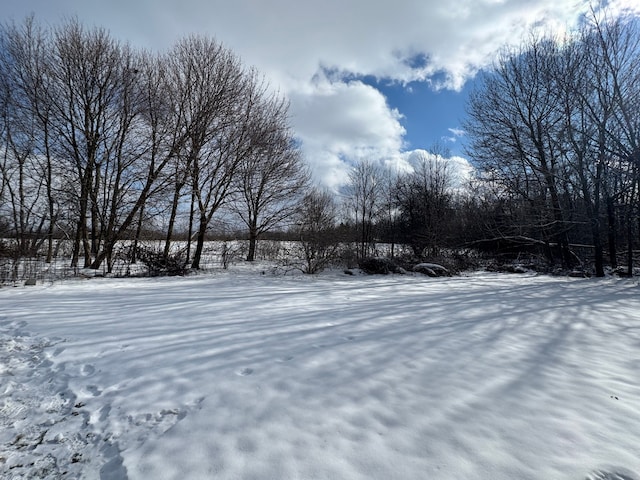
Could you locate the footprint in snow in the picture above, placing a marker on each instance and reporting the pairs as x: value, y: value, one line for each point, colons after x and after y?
x: 245, y: 371
x: 87, y: 370
x: 611, y: 474
x: 104, y: 412
x: 93, y: 390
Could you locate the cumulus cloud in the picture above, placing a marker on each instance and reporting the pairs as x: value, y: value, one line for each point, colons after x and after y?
x: 441, y: 42
x: 403, y: 40
x: 341, y: 123
x: 459, y: 170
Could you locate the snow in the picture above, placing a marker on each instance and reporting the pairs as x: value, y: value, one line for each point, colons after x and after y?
x: 242, y: 375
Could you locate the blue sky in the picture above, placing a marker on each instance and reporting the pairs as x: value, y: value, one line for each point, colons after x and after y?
x: 381, y: 81
x: 430, y: 116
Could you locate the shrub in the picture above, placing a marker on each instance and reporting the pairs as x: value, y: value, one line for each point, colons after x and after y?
x: 160, y: 265
x: 379, y: 265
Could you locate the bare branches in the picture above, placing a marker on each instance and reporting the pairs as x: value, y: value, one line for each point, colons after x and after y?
x: 110, y: 136
x: 553, y: 125
x: 271, y: 176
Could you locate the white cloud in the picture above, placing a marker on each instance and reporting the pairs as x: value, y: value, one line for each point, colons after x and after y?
x: 456, y: 134
x: 290, y: 39
x: 459, y: 168
x: 343, y: 122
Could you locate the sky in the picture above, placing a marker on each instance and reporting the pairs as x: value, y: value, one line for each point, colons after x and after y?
x: 381, y: 81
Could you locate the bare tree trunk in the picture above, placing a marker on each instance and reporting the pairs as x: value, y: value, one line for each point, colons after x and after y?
x: 629, y: 241
x: 611, y: 232
x: 190, y: 229
x: 202, y: 232
x: 253, y: 240
x: 172, y: 220
x: 630, y: 223
x: 136, y: 238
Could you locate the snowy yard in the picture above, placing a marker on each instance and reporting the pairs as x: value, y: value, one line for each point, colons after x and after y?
x: 244, y: 376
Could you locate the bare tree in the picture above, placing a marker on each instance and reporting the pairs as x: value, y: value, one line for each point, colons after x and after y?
x: 514, y: 124
x: 553, y: 125
x: 99, y: 98
x: 317, y: 230
x: 423, y: 198
x: 84, y: 70
x: 114, y: 132
x: 218, y: 104
x: 614, y: 48
x: 27, y: 167
x: 271, y: 177
x: 364, y: 193
x: 389, y: 213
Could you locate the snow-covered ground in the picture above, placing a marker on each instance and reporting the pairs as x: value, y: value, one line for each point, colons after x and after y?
x: 239, y: 375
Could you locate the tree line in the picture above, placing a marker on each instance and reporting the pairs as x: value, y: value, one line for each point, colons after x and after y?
x: 555, y: 132
x: 99, y: 139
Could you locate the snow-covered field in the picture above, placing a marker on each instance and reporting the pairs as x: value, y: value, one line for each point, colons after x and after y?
x: 239, y: 375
